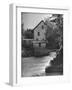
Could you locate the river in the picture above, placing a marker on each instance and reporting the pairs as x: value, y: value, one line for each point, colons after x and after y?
x: 35, y: 66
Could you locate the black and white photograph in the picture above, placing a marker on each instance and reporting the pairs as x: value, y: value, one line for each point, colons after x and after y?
x: 41, y: 44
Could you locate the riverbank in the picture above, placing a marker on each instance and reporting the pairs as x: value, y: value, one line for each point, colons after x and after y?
x: 56, y: 65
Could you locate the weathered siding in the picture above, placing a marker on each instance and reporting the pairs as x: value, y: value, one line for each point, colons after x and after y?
x: 36, y: 45
x: 43, y: 44
x: 41, y: 31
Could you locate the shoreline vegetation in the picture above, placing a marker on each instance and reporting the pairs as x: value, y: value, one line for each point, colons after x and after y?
x: 56, y: 65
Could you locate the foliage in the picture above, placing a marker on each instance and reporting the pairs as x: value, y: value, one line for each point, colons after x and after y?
x: 54, y: 32
x: 28, y: 34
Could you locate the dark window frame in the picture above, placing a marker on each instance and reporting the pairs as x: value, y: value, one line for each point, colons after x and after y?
x: 38, y: 33
x: 37, y: 39
x: 39, y: 44
x: 42, y: 26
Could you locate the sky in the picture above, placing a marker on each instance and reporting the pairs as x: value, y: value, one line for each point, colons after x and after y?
x: 30, y: 20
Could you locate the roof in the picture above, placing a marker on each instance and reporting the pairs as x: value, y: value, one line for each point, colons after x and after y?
x: 50, y: 24
x: 39, y: 24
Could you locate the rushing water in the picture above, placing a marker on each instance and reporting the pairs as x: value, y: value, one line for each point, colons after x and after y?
x: 32, y: 66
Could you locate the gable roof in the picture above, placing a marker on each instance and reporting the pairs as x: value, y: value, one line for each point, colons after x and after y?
x: 39, y: 24
x: 50, y: 24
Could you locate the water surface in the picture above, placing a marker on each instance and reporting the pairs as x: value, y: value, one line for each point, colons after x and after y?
x: 33, y: 66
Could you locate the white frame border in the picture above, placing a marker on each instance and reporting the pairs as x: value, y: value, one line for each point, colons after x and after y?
x: 14, y: 73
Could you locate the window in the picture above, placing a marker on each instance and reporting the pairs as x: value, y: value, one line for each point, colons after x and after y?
x: 43, y: 39
x: 37, y: 39
x: 42, y: 27
x: 39, y: 44
x: 38, y: 33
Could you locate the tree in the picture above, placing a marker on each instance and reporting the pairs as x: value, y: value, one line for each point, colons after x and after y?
x: 59, y: 23
x: 28, y: 34
x: 54, y: 32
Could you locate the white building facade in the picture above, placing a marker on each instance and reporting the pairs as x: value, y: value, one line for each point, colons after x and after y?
x: 40, y: 35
